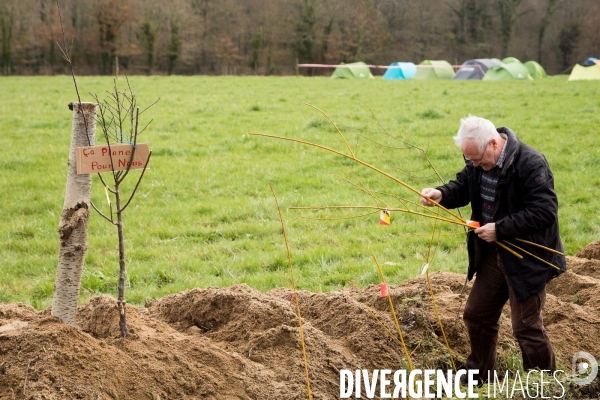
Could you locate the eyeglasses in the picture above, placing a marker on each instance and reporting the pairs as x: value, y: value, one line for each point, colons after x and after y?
x: 478, y: 160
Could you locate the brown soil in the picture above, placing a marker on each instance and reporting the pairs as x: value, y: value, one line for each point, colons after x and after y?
x: 591, y: 251
x: 238, y: 343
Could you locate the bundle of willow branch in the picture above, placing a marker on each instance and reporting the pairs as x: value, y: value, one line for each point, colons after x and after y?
x: 447, y: 216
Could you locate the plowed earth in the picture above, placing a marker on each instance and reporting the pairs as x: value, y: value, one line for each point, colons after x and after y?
x: 238, y: 343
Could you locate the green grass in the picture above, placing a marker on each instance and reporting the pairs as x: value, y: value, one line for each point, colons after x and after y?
x: 204, y: 214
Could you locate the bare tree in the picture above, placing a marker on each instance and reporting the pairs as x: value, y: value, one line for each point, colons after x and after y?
x: 471, y: 28
x: 568, y: 39
x: 174, y: 47
x: 112, y: 16
x: 551, y: 7
x: 507, y: 10
x: 209, y: 36
x: 148, y: 32
x: 119, y: 118
x: 7, y: 20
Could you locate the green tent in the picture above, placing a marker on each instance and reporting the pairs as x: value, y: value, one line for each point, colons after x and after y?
x: 510, y: 60
x: 351, y: 71
x: 506, y: 72
x: 535, y: 70
x: 437, y: 70
x: 585, y: 73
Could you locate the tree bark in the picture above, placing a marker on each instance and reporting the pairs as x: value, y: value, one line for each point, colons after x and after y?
x: 74, y: 218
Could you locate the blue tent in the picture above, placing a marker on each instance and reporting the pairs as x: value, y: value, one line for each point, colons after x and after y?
x: 588, y: 62
x: 400, y: 70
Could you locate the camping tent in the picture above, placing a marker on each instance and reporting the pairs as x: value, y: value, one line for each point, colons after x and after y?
x: 514, y: 70
x: 509, y: 60
x: 475, y: 69
x: 588, y: 62
x: 535, y: 70
x: 583, y: 72
x: 352, y: 70
x: 400, y: 70
x: 435, y: 70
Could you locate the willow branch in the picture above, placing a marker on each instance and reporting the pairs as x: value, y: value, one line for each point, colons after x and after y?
x: 341, y: 218
x: 509, y: 249
x: 334, y: 125
x: 369, y: 192
x: 361, y: 189
x: 289, y: 256
x: 362, y: 163
x: 452, y: 221
x: 540, y: 246
x: 382, y: 325
x: 530, y: 254
x: 429, y: 259
x: 394, y: 314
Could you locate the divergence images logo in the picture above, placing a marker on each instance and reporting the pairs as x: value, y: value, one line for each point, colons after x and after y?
x: 584, y: 364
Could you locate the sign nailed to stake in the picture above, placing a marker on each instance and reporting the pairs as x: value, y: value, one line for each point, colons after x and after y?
x: 91, y: 160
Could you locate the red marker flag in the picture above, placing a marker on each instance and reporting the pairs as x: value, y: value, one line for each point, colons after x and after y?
x: 383, y: 289
x: 473, y: 224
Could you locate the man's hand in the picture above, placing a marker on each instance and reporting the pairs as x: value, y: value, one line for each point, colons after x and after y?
x: 433, y: 194
x: 487, y: 232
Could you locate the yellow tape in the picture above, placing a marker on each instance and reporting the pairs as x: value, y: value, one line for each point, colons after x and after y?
x: 107, y: 198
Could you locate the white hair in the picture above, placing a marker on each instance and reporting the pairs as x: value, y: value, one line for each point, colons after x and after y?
x: 476, y: 130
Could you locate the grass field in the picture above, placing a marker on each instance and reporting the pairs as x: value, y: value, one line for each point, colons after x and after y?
x: 204, y: 214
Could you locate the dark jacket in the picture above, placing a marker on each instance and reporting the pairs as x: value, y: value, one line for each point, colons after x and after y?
x: 526, y: 208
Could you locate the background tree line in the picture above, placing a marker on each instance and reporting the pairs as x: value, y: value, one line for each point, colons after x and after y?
x: 270, y: 36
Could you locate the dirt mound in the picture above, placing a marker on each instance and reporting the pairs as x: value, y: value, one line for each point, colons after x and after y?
x: 579, y: 289
x: 238, y: 343
x: 584, y: 266
x: 47, y: 359
x: 591, y: 251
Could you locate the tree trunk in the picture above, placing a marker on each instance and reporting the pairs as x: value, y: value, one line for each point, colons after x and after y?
x: 74, y: 219
x: 121, y: 303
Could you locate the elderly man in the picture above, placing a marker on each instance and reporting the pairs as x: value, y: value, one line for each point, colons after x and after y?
x: 511, y: 191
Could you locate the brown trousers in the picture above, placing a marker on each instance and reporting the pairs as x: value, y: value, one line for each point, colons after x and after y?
x: 482, y: 315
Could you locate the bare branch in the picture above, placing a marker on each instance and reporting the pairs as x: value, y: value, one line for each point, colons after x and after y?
x: 120, y: 179
x: 137, y: 184
x: 101, y: 214
x: 157, y: 100
x: 68, y: 58
x: 148, y: 124
x: 104, y: 129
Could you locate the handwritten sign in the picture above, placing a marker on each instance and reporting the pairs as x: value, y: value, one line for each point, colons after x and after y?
x: 91, y: 160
